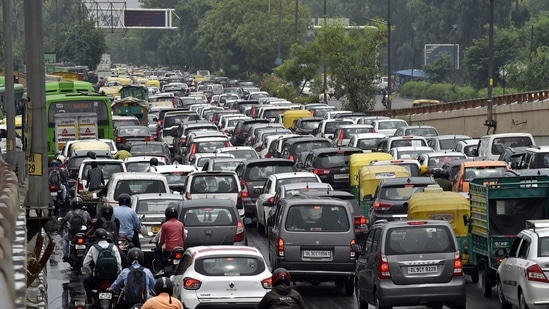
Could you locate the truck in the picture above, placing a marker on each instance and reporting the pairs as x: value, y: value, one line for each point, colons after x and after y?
x: 499, y: 210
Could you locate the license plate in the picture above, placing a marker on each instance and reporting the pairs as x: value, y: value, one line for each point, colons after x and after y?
x: 80, y: 247
x: 53, y: 193
x: 341, y: 176
x: 155, y: 229
x: 105, y: 295
x: 422, y: 269
x: 317, y: 254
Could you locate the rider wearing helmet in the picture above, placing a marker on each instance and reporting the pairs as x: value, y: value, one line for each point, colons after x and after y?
x: 135, y: 260
x: 171, y: 236
x: 91, y: 281
x: 153, y: 164
x: 163, y: 288
x: 95, y: 179
x: 281, y: 295
x: 129, y: 221
x: 76, y: 218
x: 61, y: 180
x: 108, y: 222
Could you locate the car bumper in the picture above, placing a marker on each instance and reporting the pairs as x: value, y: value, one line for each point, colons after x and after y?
x: 535, y: 294
x: 453, y: 292
x: 304, y: 271
x: 389, y: 217
x: 191, y: 301
x: 249, y: 206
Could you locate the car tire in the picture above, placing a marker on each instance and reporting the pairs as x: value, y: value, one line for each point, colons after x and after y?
x: 522, y: 301
x: 486, y: 286
x: 503, y: 304
x: 378, y: 304
x: 349, y: 287
x: 474, y: 275
x: 361, y: 304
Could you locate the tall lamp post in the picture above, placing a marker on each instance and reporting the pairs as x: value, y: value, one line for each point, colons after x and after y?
x: 413, y: 51
x: 325, y: 80
x: 389, y: 84
x: 490, y: 123
x: 454, y: 29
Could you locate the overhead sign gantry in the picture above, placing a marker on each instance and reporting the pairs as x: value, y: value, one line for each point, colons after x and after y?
x: 115, y: 15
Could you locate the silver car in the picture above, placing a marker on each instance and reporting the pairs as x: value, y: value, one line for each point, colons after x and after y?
x: 222, y: 185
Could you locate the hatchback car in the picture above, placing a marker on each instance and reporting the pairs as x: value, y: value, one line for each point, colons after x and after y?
x: 306, y: 125
x: 409, y: 263
x: 344, y: 133
x: 205, y: 145
x: 240, y: 152
x: 388, y: 126
x: 467, y: 147
x: 522, y: 275
x: 221, y: 276
x: 211, y: 221
x: 293, y: 148
x: 128, y: 134
x: 153, y: 149
x: 140, y: 163
x: 213, y: 185
x: 331, y: 165
x: 176, y: 175
x: 151, y: 208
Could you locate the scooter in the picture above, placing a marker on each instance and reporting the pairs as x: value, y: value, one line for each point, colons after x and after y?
x: 78, y: 247
x: 171, y: 263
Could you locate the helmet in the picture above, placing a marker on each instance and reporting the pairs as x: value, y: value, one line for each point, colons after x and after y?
x: 178, y: 159
x: 106, y: 210
x: 54, y: 163
x: 153, y: 161
x: 135, y: 254
x: 124, y: 199
x: 280, y: 276
x: 62, y: 159
x: 101, y: 234
x: 423, y: 169
x: 437, y: 173
x: 171, y: 212
x: 163, y: 284
x: 91, y: 154
x: 77, y: 203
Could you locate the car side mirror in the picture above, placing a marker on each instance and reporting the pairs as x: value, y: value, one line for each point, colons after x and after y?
x: 367, y: 197
x: 155, y: 119
x: 315, y: 131
x: 299, y: 164
x: 266, y: 203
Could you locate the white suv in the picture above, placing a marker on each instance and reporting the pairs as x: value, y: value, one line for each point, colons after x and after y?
x: 522, y: 277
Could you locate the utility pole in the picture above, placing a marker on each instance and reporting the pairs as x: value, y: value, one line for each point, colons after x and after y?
x: 490, y: 123
x: 325, y: 80
x: 9, y: 99
x: 389, y: 84
x: 296, y: 19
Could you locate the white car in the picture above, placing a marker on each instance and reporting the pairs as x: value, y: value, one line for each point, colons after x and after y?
x: 232, y: 276
x: 388, y: 126
x: 522, y: 277
x: 176, y: 175
x: 366, y: 141
x: 409, y: 152
x: 213, y: 185
x: 108, y: 166
x: 240, y: 152
x: 270, y: 143
x: 140, y: 163
x: 201, y: 158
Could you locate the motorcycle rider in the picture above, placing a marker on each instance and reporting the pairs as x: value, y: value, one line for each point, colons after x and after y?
x: 89, y: 282
x: 163, y: 288
x: 281, y: 295
x: 76, y: 204
x: 56, y: 165
x: 171, y: 236
x: 123, y: 152
x: 135, y: 259
x: 153, y: 164
x: 129, y: 221
x: 107, y: 216
x: 95, y: 179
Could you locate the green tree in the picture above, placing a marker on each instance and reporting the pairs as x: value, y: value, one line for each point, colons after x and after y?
x: 302, y: 66
x: 82, y: 44
x: 441, y: 69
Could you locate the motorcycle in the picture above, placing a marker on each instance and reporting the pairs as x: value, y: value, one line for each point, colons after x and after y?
x: 171, y: 263
x: 124, y: 244
x: 56, y: 193
x: 78, y: 247
x: 104, y: 298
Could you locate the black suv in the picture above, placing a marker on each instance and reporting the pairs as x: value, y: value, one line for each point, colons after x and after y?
x: 306, y: 125
x: 331, y: 165
x: 391, y: 195
x: 241, y: 130
x: 250, y: 174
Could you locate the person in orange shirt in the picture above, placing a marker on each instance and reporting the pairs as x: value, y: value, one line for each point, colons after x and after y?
x: 163, y: 288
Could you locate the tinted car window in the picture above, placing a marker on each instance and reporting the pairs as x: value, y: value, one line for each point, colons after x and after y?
x: 385, y: 125
x: 332, y: 160
x: 369, y: 143
x: 416, y: 239
x: 213, y: 184
x: 286, y: 181
x: 309, y: 124
x: 107, y: 168
x: 155, y: 206
x: 170, y: 121
x: 243, y: 154
x: 308, y: 146
x: 484, y: 172
x: 211, y: 146
x: 331, y: 127
x: 402, y: 193
x: 262, y: 172
x: 440, y: 161
x: 208, y: 216
x: 226, y: 166
x: 136, y: 186
x: 230, y: 266
x: 317, y: 218
x: 350, y: 132
x: 148, y: 148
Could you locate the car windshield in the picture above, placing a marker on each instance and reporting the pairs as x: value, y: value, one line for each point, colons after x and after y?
x: 418, y: 239
x: 440, y: 161
x: 231, y: 266
x: 317, y: 218
x: 309, y: 125
x: 125, y: 122
x: 210, y: 215
x: 176, y: 120
x: 260, y: 173
x: 543, y: 250
x: 422, y: 132
x: 500, y: 144
x: 369, y: 143
x: 213, y: 184
x: 211, y: 146
x: 143, y: 149
x: 136, y: 186
x: 107, y: 168
x: 450, y: 143
x: 131, y: 131
x: 243, y: 154
x: 272, y: 113
x: 350, y: 132
x: 286, y: 181
x: 308, y: 146
x: 331, y: 127
x: 332, y: 160
x: 408, y: 142
x: 226, y: 166
x: 392, y: 124
x: 176, y: 177
x: 400, y: 193
x: 155, y: 206
x: 411, y: 154
x: 484, y: 172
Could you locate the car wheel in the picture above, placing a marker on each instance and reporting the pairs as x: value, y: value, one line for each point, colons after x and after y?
x: 349, y: 287
x: 379, y: 304
x: 522, y: 302
x: 474, y: 275
x: 258, y: 226
x: 361, y: 304
x: 486, y: 286
x: 503, y: 304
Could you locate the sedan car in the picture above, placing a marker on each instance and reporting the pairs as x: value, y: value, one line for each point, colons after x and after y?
x: 522, y: 276
x: 150, y: 208
x: 222, y: 277
x: 240, y: 152
x: 212, y: 221
x: 128, y: 134
x: 140, y: 163
x: 154, y: 149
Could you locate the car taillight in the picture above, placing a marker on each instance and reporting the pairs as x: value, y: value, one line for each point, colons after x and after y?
x: 268, y: 155
x: 80, y: 240
x: 245, y: 193
x: 191, y: 283
x: 460, y: 184
x: 53, y: 188
x: 167, y: 159
x: 352, y: 252
x: 381, y: 206
x: 120, y: 139
x: 178, y: 255
x: 193, y: 149
x: 291, y: 158
x: 252, y: 140
x: 160, y: 123
x: 149, y: 139
x: 321, y: 171
x: 228, y: 144
x: 183, y: 141
x: 360, y: 222
x: 259, y: 148
x: 240, y: 232
x: 280, y: 247
x: 383, y: 271
x: 267, y: 283
x: 341, y: 135
x: 535, y: 273
x: 458, y: 266
x: 104, y: 285
x: 79, y: 186
x: 188, y: 196
x: 271, y: 200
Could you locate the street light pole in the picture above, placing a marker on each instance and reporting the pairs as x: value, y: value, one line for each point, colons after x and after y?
x: 531, y: 40
x: 295, y: 21
x: 454, y: 26
x: 389, y: 84
x: 413, y: 51
x: 490, y: 123
x: 325, y: 81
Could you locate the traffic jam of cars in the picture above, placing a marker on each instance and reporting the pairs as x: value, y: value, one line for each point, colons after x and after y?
x: 390, y: 213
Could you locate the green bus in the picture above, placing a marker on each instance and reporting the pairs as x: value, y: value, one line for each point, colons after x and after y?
x: 73, y: 116
x: 68, y: 86
x: 19, y: 90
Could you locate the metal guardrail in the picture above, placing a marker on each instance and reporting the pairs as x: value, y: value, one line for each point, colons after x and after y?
x: 525, y: 97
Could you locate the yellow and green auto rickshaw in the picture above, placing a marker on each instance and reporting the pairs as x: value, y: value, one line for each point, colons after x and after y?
x: 370, y: 176
x: 434, y: 203
x: 358, y: 160
x: 292, y: 115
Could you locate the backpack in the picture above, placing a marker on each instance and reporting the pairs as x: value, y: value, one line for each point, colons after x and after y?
x: 76, y: 223
x: 135, y: 291
x: 54, y: 177
x: 110, y: 226
x: 106, y: 265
